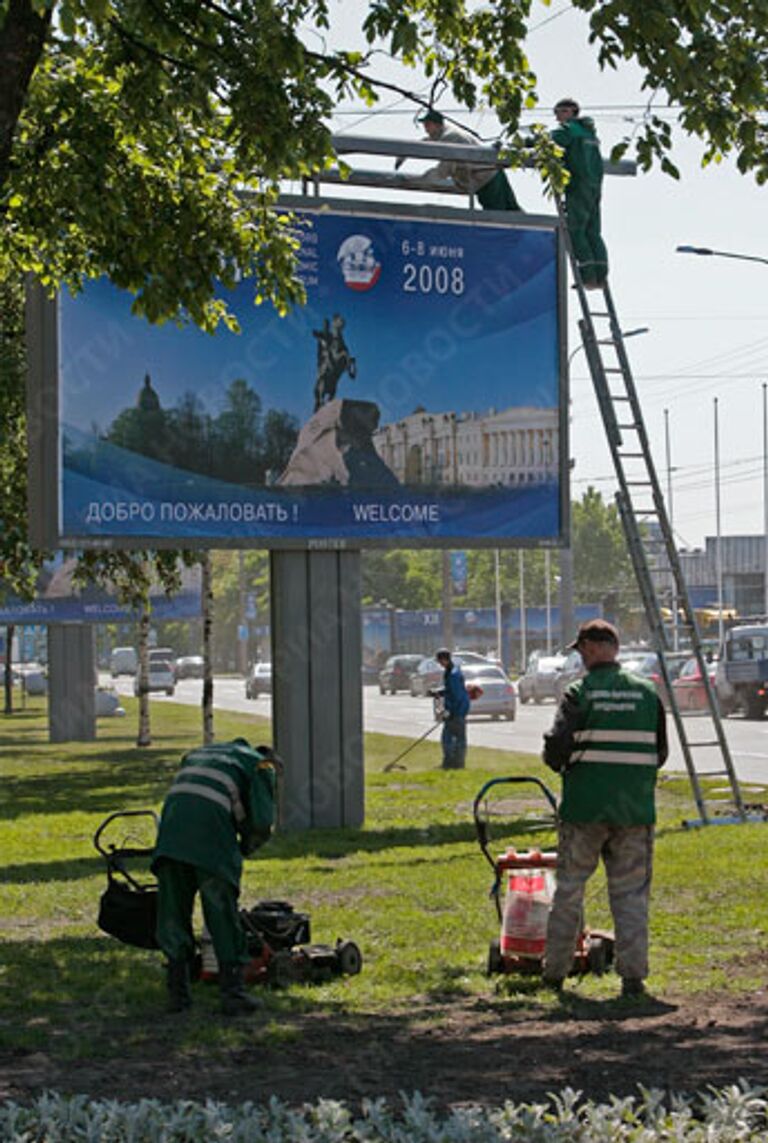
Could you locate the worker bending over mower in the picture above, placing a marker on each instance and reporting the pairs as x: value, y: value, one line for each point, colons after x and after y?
x: 608, y: 740
x: 219, y: 809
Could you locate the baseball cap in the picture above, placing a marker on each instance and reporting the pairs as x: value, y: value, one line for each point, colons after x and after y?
x: 596, y: 631
x: 442, y: 651
x: 431, y: 116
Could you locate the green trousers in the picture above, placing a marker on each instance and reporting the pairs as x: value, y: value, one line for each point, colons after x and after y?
x: 498, y: 194
x: 177, y: 883
x: 582, y: 202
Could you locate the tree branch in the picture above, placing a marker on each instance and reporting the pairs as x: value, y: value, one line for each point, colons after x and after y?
x: 22, y: 38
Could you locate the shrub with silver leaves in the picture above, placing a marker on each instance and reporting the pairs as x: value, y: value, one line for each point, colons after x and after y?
x: 727, y: 1115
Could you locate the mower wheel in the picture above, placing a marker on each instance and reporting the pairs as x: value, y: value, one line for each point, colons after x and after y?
x: 599, y: 955
x: 281, y: 970
x: 350, y: 959
x: 495, y: 959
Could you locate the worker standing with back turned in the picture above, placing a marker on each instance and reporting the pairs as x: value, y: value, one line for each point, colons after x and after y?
x: 577, y: 136
x: 608, y: 740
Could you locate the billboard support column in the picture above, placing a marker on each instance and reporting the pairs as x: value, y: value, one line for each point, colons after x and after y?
x: 317, y: 686
x: 71, y: 683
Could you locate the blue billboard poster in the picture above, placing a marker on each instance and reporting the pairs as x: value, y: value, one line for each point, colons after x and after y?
x: 414, y: 399
x: 59, y: 599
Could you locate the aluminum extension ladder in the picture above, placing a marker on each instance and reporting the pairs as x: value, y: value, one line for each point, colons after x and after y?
x: 649, y: 534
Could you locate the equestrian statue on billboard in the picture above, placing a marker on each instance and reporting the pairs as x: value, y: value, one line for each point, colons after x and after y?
x: 333, y: 359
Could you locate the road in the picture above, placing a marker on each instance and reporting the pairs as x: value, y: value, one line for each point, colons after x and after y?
x: 410, y: 717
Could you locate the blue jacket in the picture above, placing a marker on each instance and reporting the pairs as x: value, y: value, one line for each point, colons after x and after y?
x: 456, y: 697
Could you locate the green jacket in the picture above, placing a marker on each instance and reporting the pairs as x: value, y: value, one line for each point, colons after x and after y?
x: 608, y: 740
x: 583, y: 160
x: 220, y: 807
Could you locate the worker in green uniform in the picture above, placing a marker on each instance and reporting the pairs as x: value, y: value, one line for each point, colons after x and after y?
x: 608, y: 740
x: 578, y: 139
x: 488, y: 182
x: 219, y: 808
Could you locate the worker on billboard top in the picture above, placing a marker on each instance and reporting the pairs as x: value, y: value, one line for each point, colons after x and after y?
x: 219, y: 809
x: 456, y: 709
x: 608, y: 740
x: 577, y: 136
x: 489, y: 183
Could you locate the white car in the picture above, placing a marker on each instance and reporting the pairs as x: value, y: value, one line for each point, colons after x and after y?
x: 160, y: 677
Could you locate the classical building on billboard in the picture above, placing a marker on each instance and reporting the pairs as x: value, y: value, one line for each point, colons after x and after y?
x: 516, y: 446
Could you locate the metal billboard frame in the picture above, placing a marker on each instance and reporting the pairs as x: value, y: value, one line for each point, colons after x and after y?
x: 45, y: 467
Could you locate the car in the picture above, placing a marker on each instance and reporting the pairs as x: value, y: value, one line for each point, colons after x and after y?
x: 189, y: 667
x: 123, y: 661
x: 689, y: 690
x: 646, y: 664
x: 107, y: 703
x: 496, y: 697
x: 259, y: 681
x: 572, y: 669
x: 540, y: 679
x: 396, y: 673
x: 31, y: 677
x: 160, y: 676
x: 429, y: 673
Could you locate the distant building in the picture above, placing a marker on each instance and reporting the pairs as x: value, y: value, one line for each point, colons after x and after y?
x: 513, y: 447
x: 742, y: 572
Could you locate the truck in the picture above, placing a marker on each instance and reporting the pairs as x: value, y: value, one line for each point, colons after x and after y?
x: 741, y: 680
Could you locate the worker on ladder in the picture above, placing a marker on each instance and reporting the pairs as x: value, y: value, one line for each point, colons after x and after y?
x: 577, y: 136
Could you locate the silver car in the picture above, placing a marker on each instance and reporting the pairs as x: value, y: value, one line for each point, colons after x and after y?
x: 497, y: 697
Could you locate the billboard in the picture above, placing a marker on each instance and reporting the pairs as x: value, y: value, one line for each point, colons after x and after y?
x: 58, y: 599
x: 416, y: 399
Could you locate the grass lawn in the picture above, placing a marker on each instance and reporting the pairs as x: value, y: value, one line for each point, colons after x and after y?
x: 411, y: 889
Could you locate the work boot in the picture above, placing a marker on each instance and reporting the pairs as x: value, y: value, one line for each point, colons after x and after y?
x: 632, y: 987
x: 179, y: 995
x: 235, y: 1000
x: 553, y: 983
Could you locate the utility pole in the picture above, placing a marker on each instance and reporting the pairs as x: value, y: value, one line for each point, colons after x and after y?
x: 447, y: 602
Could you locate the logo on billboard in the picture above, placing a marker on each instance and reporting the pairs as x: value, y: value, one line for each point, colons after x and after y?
x: 357, y: 262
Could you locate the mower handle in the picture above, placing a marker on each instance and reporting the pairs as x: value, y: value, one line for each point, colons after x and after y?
x: 122, y: 814
x: 482, y: 826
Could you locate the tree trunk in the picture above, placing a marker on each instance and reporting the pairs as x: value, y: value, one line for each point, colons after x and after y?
x: 145, y: 735
x: 207, y: 592
x: 8, y: 672
x: 23, y: 34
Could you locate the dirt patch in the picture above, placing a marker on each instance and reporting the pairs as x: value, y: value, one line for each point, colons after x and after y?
x: 460, y: 1051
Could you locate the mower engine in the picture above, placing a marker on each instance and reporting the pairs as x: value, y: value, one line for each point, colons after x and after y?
x: 278, y: 943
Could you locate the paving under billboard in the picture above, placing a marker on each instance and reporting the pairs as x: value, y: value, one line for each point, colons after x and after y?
x: 415, y: 399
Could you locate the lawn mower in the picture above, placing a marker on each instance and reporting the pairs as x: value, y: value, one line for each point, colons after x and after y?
x: 530, y: 886
x: 278, y: 937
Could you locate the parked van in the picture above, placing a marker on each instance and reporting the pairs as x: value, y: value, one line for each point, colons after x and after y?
x: 123, y: 661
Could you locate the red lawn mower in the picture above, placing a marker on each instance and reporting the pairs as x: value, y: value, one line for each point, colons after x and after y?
x: 530, y: 886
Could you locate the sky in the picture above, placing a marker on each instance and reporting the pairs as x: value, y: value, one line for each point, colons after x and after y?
x: 707, y: 318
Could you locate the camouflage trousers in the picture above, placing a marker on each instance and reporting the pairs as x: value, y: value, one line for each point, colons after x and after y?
x: 627, y: 852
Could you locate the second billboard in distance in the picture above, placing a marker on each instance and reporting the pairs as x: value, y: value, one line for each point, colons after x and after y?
x: 415, y: 399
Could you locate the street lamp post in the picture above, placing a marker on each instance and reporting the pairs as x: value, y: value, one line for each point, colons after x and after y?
x: 706, y: 251
x: 566, y: 554
x: 718, y: 550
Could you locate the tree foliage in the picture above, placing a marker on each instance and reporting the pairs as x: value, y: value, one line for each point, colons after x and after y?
x: 148, y: 140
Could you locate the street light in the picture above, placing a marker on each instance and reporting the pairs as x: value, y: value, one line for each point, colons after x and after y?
x: 625, y: 333
x: 747, y: 258
x: 705, y: 250
x: 566, y: 554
